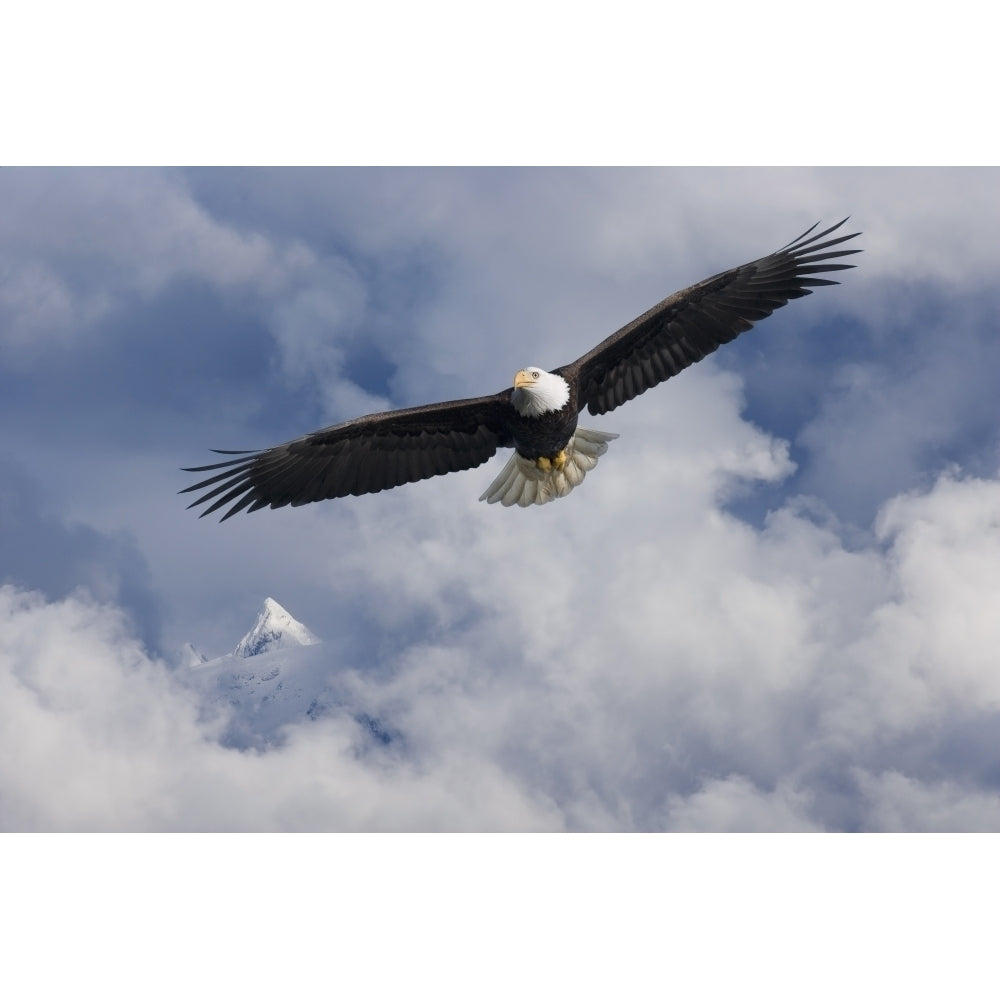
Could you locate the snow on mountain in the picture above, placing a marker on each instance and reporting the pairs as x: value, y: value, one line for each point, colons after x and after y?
x: 280, y: 674
x: 190, y: 657
x: 274, y: 629
x: 256, y: 696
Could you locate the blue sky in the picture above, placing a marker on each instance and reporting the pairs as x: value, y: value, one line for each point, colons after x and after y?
x: 772, y: 606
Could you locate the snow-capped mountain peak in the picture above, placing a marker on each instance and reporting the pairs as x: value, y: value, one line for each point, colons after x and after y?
x: 279, y: 675
x: 275, y: 628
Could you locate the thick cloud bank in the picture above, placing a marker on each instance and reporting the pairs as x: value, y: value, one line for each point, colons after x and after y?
x: 745, y: 679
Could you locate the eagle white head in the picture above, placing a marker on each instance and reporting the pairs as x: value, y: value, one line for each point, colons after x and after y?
x: 537, y: 391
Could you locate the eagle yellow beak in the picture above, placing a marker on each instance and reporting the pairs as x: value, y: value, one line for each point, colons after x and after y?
x: 522, y: 378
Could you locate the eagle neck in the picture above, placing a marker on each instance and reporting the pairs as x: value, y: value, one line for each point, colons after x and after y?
x: 548, y: 395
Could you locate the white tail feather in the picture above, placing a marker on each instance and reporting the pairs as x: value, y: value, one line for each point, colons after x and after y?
x: 521, y: 482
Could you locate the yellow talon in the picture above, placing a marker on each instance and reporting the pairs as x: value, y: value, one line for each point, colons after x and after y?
x: 557, y: 461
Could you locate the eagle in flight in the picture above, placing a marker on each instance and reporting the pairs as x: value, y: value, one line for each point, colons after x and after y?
x: 537, y: 416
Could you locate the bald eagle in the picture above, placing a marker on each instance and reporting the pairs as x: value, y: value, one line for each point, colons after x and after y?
x: 537, y: 416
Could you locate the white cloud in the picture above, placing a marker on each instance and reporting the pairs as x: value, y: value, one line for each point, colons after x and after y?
x: 699, y: 674
x: 897, y: 802
x: 701, y: 651
x: 96, y: 736
x: 77, y: 245
x: 36, y: 302
x: 734, y: 804
x: 314, y: 327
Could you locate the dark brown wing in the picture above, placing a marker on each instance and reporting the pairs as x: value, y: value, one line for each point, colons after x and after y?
x: 365, y: 455
x: 689, y: 324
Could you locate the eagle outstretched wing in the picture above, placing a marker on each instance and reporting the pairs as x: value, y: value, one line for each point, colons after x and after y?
x: 365, y: 455
x: 692, y: 323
